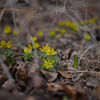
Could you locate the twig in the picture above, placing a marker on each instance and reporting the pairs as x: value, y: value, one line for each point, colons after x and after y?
x: 6, y: 71
x: 84, y: 53
x: 78, y: 71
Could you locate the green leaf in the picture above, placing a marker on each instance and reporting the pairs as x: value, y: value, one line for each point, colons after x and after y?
x: 2, y: 51
x: 9, y: 52
x: 75, y: 61
x: 10, y: 60
x: 52, y: 69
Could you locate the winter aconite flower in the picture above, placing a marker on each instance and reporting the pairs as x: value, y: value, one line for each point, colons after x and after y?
x: 28, y: 53
x: 48, y: 50
x: 28, y: 50
x: 36, y: 45
x: 40, y: 34
x: 52, y: 33
x: 7, y: 30
x: 16, y: 31
x: 4, y: 44
x: 51, y: 52
x: 33, y: 39
x: 61, y: 23
x: 63, y: 30
x: 45, y: 48
x: 87, y: 37
x: 48, y: 63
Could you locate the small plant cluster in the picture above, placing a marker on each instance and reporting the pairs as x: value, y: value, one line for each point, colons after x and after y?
x: 5, y: 50
x: 40, y: 34
x: 89, y: 21
x: 8, y: 30
x: 87, y: 36
x: 65, y: 27
x: 28, y: 54
x: 47, y: 53
x: 49, y: 56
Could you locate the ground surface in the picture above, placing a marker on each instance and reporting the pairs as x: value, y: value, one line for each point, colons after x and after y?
x: 73, y: 29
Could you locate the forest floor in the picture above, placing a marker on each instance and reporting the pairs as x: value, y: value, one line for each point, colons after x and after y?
x: 50, y: 52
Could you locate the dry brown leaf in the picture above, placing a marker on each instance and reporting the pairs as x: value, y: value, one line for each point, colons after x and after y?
x: 68, y: 89
x: 97, y: 91
x: 81, y: 95
x: 76, y: 95
x: 8, y: 85
x: 70, y: 68
x: 30, y: 98
x: 50, y: 76
x: 24, y: 72
x: 35, y: 80
x: 54, y: 87
x: 66, y: 75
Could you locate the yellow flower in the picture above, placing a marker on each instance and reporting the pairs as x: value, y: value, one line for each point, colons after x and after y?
x: 45, y: 48
x: 67, y: 23
x: 79, y: 23
x: 7, y: 30
x: 93, y: 20
x: 96, y: 18
x: 63, y: 30
x: 75, y: 29
x: 87, y: 37
x: 48, y: 50
x: 36, y: 45
x: 51, y: 52
x: 61, y: 23
x: 40, y: 34
x: 52, y: 33
x: 34, y: 38
x: 85, y: 21
x: 56, y: 29
x: 16, y: 31
x: 4, y: 44
x: 48, y: 63
x: 27, y: 50
x: 30, y: 46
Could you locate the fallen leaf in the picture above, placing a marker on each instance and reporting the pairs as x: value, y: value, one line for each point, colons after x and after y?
x: 29, y: 98
x: 34, y: 80
x: 81, y: 95
x: 8, y: 85
x: 68, y: 89
x: 54, y: 87
x: 70, y: 68
x: 65, y: 75
x: 50, y: 76
x: 97, y: 91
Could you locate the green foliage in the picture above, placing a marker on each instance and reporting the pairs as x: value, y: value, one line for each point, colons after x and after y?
x: 8, y: 54
x: 28, y: 57
x: 49, y: 62
x: 75, y: 61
